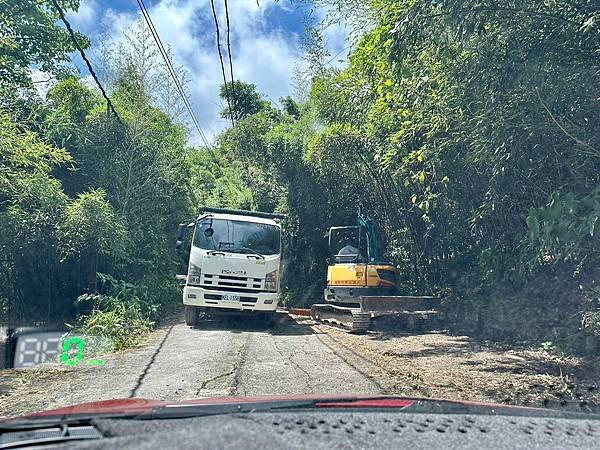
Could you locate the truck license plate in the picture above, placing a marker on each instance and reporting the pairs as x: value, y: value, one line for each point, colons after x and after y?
x: 231, y: 298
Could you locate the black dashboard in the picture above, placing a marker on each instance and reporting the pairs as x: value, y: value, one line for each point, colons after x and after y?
x: 343, y: 429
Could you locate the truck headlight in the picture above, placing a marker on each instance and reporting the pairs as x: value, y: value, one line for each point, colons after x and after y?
x: 271, y: 281
x: 194, y: 274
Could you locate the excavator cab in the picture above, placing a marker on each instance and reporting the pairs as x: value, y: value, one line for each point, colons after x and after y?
x: 346, y: 245
x: 358, y: 268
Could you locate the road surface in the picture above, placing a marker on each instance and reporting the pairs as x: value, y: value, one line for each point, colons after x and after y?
x: 298, y: 356
x: 226, y: 357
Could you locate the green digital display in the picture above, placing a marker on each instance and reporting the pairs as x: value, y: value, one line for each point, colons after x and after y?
x: 78, y: 343
x: 33, y: 348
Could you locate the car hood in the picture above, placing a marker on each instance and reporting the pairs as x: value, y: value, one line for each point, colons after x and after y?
x: 134, y: 406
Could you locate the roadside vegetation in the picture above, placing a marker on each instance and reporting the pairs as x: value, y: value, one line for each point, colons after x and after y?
x: 469, y: 129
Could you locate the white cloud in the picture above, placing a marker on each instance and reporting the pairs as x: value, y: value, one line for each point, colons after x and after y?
x: 262, y: 54
x: 86, y: 18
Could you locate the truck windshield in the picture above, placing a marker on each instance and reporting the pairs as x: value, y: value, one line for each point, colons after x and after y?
x: 237, y: 236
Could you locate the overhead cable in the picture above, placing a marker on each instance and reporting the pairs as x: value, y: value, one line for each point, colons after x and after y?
x: 229, y: 55
x: 212, y: 2
x: 171, y: 70
x: 109, y: 104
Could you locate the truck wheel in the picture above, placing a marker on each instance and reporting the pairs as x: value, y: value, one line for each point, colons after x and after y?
x: 191, y: 316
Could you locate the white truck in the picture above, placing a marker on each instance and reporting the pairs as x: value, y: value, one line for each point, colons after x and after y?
x: 234, y: 263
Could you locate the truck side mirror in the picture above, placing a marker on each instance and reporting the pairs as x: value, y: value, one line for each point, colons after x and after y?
x: 181, y: 236
x: 181, y: 232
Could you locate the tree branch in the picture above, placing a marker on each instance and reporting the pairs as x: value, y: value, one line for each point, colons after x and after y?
x: 563, y: 129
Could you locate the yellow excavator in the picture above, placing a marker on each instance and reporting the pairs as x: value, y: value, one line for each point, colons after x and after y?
x: 362, y: 285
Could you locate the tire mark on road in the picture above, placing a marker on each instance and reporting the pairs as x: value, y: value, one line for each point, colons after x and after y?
x: 350, y: 363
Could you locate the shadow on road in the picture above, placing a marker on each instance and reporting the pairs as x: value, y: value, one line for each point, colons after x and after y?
x: 283, y: 325
x: 379, y: 334
x: 145, y: 372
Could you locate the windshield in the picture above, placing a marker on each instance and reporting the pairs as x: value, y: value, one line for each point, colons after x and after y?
x: 182, y: 185
x: 348, y: 244
x: 237, y: 236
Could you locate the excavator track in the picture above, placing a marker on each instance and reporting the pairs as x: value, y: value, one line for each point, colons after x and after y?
x: 352, y: 320
x: 407, y: 313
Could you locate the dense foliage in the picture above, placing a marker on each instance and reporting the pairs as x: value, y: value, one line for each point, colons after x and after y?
x: 89, y: 205
x: 469, y: 129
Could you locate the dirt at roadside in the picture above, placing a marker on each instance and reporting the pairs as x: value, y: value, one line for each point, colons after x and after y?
x: 440, y: 365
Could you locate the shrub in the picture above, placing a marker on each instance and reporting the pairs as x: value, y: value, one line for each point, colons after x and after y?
x: 121, y: 315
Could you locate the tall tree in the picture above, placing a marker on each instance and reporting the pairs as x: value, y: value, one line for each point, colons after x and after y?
x: 245, y: 100
x: 31, y: 37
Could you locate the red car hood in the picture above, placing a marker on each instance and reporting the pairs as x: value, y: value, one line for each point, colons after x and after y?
x: 133, y: 405
x: 140, y: 405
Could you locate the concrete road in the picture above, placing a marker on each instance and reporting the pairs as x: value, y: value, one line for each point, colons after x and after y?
x: 224, y: 357
x: 230, y: 357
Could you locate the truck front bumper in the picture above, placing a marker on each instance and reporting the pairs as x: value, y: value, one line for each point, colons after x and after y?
x: 248, y: 301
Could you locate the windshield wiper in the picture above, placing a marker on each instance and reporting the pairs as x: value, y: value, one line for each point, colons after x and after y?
x: 250, y: 250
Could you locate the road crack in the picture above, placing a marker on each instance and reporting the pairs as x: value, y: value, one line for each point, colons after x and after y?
x: 205, y: 384
x: 237, y: 363
x: 289, y: 357
x: 144, y: 373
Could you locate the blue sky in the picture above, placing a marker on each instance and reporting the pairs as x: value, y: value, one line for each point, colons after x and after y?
x: 266, y: 43
x: 290, y: 17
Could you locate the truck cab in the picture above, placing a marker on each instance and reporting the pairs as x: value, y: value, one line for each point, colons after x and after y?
x: 234, y: 263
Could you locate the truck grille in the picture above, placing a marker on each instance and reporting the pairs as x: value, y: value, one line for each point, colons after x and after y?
x: 232, y: 283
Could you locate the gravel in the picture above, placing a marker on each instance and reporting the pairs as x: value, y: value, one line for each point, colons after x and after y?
x: 440, y: 365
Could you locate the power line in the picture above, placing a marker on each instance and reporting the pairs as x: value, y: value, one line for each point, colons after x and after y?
x: 212, y: 2
x: 109, y: 104
x: 171, y: 70
x: 229, y: 55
